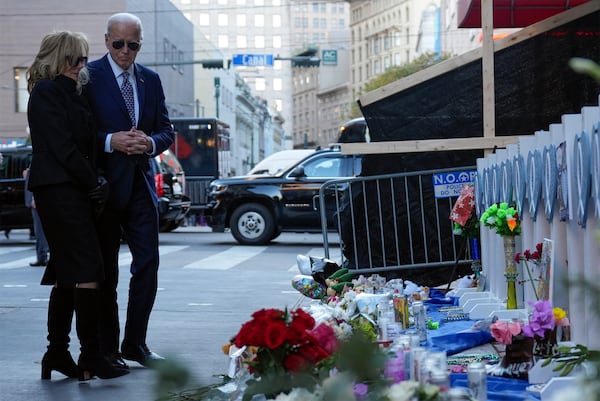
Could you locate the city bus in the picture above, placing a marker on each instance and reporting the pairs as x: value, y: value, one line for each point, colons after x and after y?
x: 202, y: 146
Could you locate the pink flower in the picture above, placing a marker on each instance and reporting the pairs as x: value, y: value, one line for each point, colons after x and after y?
x: 325, y: 335
x: 503, y: 331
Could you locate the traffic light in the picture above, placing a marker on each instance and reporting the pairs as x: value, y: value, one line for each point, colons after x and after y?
x: 212, y: 63
x: 306, y: 61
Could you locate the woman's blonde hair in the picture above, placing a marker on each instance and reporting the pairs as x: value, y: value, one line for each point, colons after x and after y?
x: 56, y: 51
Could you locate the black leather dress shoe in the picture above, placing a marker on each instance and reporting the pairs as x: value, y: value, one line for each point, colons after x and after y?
x: 116, y: 359
x: 140, y: 354
x: 38, y: 263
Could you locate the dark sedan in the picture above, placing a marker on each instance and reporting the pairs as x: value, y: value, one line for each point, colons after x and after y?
x: 13, y: 212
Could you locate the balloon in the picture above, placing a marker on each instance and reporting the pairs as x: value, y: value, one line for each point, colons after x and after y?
x: 307, y: 286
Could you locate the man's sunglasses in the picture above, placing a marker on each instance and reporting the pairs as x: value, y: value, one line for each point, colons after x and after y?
x: 133, y: 46
x: 76, y: 61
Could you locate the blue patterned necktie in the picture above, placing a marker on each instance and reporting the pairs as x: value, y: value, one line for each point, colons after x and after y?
x: 127, y: 91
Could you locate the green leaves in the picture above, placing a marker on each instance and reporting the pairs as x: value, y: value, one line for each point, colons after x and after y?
x: 568, y: 358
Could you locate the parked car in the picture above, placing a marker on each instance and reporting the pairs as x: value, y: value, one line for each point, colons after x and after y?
x: 173, y: 205
x: 260, y: 206
x: 13, y: 212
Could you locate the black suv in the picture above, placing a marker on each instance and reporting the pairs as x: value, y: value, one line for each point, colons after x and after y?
x: 13, y: 212
x: 260, y: 206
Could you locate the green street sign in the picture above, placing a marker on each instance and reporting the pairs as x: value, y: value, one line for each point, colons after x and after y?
x: 329, y: 57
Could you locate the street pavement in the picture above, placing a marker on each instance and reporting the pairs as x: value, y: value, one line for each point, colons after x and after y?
x: 195, y: 313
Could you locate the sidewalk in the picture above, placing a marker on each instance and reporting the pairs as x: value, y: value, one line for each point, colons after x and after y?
x: 196, y: 312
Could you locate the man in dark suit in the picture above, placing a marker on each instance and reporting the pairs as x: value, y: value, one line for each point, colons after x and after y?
x: 128, y: 103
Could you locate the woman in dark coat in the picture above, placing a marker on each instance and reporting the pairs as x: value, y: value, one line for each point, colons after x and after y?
x: 67, y: 191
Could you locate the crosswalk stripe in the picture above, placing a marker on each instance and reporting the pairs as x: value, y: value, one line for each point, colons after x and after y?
x: 227, y: 259
x: 125, y: 257
x: 11, y: 249
x: 15, y: 264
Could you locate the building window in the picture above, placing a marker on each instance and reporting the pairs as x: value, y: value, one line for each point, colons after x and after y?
x: 323, y: 23
x: 277, y: 84
x: 240, y: 2
x: 276, y: 3
x: 204, y: 19
x: 260, y: 84
x: 222, y: 2
x: 387, y: 62
x: 223, y: 20
x: 387, y: 42
x: 297, y: 22
x: 259, y: 42
x: 277, y: 42
x: 259, y: 20
x: 240, y: 20
x: 277, y: 64
x: 259, y: 2
x: 276, y: 20
x: 21, y: 93
x: 315, y: 23
x: 315, y: 7
x: 185, y: 1
x: 241, y: 42
x: 223, y: 41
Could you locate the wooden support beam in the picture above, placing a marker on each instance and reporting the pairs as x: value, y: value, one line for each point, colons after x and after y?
x: 487, y: 69
x: 429, y: 145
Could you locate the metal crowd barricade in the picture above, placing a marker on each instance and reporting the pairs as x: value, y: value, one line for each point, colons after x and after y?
x: 390, y: 222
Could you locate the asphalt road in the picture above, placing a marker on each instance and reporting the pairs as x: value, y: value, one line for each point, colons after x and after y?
x: 209, y: 286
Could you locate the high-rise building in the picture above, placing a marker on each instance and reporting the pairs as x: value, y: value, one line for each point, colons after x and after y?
x: 250, y: 27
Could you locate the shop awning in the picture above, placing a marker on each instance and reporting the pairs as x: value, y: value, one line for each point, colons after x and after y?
x: 512, y: 13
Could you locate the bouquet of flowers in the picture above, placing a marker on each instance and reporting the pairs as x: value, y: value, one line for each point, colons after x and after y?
x: 502, y: 218
x: 463, y: 215
x: 544, y: 319
x: 535, y: 258
x: 291, y: 351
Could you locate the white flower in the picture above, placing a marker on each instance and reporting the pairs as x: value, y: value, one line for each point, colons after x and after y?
x: 403, y: 391
x: 297, y: 394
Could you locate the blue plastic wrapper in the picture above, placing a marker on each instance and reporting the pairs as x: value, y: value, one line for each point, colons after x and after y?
x: 458, y: 342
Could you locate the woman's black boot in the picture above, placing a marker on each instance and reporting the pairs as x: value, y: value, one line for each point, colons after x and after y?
x: 60, y: 318
x: 91, y: 361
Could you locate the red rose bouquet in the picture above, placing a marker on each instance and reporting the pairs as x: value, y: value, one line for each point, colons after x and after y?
x: 291, y: 351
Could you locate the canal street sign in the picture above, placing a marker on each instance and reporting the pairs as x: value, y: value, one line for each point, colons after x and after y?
x: 253, y: 60
x: 447, y: 185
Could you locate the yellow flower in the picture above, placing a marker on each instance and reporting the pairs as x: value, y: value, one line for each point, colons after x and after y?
x: 558, y: 313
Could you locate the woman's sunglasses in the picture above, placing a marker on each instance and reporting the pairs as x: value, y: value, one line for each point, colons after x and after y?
x: 133, y: 46
x: 76, y: 61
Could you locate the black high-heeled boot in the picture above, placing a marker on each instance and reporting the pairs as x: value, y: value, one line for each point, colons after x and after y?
x: 60, y: 318
x: 91, y: 362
